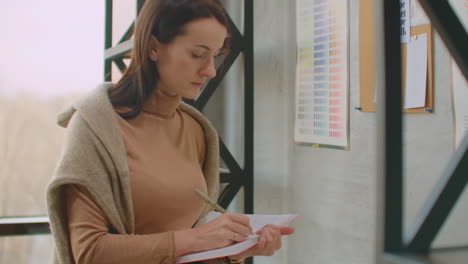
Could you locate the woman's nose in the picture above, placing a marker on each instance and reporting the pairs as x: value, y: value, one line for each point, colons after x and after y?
x: 209, y: 69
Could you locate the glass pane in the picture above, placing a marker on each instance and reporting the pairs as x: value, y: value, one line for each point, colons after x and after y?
x: 26, y: 249
x: 124, y: 13
x: 53, y: 55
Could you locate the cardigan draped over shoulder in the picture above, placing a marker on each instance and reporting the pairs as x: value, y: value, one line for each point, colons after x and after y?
x: 94, y: 157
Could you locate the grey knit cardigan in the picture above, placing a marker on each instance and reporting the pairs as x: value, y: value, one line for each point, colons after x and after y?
x: 94, y: 157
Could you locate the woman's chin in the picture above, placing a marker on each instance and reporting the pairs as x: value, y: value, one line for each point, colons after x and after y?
x: 191, y: 96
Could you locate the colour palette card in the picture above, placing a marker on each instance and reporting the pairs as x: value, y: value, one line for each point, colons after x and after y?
x: 322, y: 84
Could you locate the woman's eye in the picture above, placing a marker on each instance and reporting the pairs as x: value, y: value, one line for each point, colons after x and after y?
x: 196, y: 56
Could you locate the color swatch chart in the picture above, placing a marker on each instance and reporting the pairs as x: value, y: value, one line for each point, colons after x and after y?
x: 322, y: 72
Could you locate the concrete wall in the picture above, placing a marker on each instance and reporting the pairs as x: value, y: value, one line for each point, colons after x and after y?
x: 333, y: 190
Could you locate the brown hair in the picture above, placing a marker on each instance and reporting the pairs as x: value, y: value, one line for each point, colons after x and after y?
x: 164, y: 19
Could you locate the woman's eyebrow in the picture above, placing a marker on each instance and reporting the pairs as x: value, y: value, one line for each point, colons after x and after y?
x: 205, y: 47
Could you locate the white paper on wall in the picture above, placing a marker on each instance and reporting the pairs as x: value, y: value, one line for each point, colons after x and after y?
x: 416, y: 72
x: 404, y: 21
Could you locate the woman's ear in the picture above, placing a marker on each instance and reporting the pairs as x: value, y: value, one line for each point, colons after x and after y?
x: 153, y: 51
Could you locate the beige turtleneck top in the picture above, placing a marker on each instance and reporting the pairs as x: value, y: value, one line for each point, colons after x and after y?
x: 165, y: 153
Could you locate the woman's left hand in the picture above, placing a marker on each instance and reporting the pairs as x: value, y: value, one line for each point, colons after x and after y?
x: 268, y: 242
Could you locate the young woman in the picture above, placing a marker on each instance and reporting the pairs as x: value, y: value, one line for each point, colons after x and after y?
x: 123, y: 191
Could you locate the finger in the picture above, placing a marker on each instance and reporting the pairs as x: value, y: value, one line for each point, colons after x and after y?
x: 238, y: 228
x: 257, y: 249
x: 240, y: 219
x: 278, y: 243
x: 236, y: 237
x: 276, y: 236
x: 272, y: 228
x: 260, y: 246
x: 225, y: 222
x: 286, y: 230
x: 270, y: 243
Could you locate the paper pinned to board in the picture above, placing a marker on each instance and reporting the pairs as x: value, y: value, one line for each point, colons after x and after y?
x: 416, y: 72
x: 404, y: 21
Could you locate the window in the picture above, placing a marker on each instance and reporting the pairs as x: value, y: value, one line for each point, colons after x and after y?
x: 52, y: 51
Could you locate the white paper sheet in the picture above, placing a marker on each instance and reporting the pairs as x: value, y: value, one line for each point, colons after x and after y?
x: 404, y: 21
x: 416, y: 72
x: 460, y: 105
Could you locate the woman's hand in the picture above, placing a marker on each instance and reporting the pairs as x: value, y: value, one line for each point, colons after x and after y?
x: 222, y: 231
x: 268, y: 242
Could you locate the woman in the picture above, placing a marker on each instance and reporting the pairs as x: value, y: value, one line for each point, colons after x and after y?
x: 123, y: 191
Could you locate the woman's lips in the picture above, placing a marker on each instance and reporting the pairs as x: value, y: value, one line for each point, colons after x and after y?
x: 197, y: 84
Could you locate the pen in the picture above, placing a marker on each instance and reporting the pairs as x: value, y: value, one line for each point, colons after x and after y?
x: 207, y: 199
x: 216, y: 206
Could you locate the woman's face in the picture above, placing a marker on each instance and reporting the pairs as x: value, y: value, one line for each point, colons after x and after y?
x: 187, y: 62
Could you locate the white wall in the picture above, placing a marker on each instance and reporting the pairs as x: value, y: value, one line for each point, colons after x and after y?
x: 274, y: 50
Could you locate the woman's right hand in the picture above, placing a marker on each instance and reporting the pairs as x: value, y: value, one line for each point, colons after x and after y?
x: 222, y: 231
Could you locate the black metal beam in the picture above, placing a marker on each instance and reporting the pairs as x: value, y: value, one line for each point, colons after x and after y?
x: 442, y: 200
x: 249, y: 106
x: 225, y: 177
x: 450, y: 29
x: 120, y: 64
x: 119, y: 50
x: 232, y: 26
x: 228, y: 194
x: 237, y: 174
x: 139, y: 5
x: 108, y: 39
x: 16, y: 226
x: 393, y: 141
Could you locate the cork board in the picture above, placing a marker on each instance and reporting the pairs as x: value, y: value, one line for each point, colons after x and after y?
x: 367, y: 62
